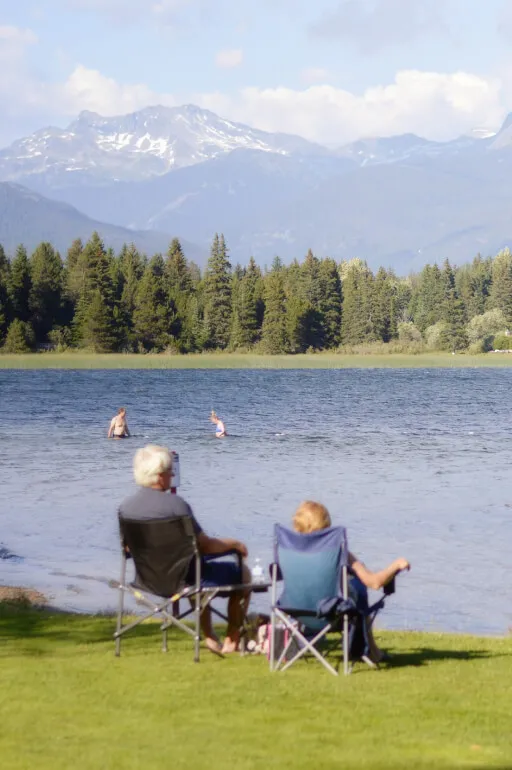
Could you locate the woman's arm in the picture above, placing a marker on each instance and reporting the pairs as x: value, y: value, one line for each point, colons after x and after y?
x: 376, y: 580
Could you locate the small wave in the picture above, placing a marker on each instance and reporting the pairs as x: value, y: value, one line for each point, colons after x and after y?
x: 6, y: 554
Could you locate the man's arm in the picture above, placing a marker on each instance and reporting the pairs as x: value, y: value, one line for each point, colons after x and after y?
x: 211, y: 545
x: 376, y: 580
x: 109, y: 434
x: 126, y: 428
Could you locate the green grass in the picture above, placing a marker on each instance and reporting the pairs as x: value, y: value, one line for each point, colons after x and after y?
x: 249, y: 361
x: 67, y: 702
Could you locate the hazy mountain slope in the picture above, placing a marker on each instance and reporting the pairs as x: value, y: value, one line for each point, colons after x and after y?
x: 29, y: 218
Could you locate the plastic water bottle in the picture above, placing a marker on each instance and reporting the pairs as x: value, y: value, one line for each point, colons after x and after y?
x: 257, y: 573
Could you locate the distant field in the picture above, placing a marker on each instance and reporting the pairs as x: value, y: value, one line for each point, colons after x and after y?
x: 250, y: 361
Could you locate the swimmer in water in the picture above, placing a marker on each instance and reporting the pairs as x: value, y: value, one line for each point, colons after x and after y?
x: 220, y: 430
x: 118, y: 425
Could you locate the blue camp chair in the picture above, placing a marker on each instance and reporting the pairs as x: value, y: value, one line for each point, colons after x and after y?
x: 315, y: 598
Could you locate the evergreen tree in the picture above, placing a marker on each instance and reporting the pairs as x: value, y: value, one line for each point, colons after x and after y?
x: 45, y: 299
x: 131, y: 265
x: 154, y: 316
x: 453, y: 335
x: 301, y: 325
x: 428, y: 297
x: 20, y: 285
x: 5, y: 315
x: 217, y: 296
x: 330, y: 303
x: 177, y: 273
x: 274, y: 320
x: 244, y: 327
x: 501, y: 290
x: 357, y: 287
x: 20, y: 337
x: 96, y: 322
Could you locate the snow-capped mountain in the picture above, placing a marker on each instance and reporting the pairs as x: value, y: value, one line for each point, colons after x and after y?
x: 138, y: 146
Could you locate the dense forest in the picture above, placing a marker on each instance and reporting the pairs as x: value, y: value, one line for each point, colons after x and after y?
x: 105, y: 302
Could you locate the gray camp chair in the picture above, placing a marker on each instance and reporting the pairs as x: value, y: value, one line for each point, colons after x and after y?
x: 162, y: 551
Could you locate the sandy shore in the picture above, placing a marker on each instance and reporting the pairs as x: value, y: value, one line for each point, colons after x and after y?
x: 19, y: 594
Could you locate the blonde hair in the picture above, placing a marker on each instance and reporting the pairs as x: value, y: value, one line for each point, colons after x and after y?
x: 310, y: 517
x: 149, y: 463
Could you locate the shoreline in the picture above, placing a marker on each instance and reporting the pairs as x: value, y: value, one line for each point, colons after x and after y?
x: 139, y: 361
x: 32, y: 599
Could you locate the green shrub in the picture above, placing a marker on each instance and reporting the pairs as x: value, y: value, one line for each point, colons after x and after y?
x: 20, y: 338
x: 408, y: 332
x: 486, y: 324
x: 434, y: 336
x: 502, y: 342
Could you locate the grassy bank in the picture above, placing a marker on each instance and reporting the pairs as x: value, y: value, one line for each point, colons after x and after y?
x: 67, y: 702
x: 250, y: 361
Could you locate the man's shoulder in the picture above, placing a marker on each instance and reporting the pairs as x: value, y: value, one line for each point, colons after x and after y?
x: 149, y: 503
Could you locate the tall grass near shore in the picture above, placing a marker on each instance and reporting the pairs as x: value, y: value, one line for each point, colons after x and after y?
x: 363, y: 359
x: 67, y: 702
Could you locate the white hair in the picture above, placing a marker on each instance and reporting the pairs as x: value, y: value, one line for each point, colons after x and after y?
x: 149, y: 463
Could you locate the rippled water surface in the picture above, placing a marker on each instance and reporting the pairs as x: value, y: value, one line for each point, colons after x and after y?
x: 414, y: 462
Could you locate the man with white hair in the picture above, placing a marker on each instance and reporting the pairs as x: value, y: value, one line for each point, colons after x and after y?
x: 152, y: 468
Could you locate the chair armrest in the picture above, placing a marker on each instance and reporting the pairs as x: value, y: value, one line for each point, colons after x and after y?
x: 390, y: 587
x: 229, y: 552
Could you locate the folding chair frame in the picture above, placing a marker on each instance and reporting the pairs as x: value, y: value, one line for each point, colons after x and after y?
x: 168, y: 609
x: 305, y: 645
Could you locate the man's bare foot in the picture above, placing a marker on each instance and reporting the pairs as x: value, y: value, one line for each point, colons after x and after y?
x: 213, y: 645
x: 229, y: 646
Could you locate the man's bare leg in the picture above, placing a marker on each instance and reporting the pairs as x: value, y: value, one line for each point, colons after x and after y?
x: 238, y: 605
x: 210, y: 637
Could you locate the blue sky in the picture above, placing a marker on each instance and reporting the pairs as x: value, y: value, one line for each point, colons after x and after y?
x: 330, y: 70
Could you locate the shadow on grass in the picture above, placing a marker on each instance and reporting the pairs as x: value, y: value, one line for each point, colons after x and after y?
x: 37, y: 631
x: 425, y: 655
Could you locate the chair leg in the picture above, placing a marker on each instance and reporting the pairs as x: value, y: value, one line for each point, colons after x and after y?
x: 197, y: 636
x: 164, y: 639
x: 120, y: 605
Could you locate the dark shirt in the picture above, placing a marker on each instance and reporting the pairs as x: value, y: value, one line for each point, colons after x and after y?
x: 154, y: 504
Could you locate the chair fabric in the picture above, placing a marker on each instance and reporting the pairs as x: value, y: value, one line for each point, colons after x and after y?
x: 314, y: 599
x: 162, y: 550
x: 167, y: 565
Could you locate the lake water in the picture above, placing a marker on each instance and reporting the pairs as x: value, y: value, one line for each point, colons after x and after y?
x: 415, y: 463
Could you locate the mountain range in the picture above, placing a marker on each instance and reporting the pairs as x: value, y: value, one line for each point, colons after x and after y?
x: 164, y: 172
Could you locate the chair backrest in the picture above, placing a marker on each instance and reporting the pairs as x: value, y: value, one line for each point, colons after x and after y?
x: 311, y: 568
x: 162, y: 550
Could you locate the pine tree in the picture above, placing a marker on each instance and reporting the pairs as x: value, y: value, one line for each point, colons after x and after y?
x: 154, y: 316
x: 5, y: 315
x: 330, y: 303
x: 217, y: 295
x: 381, y: 302
x: 301, y: 323
x: 45, y: 300
x: 96, y: 323
x: 501, y: 290
x: 357, y: 312
x: 453, y: 335
x: 20, y: 337
x: 20, y: 285
x: 245, y: 297
x: 428, y: 297
x: 273, y: 338
x: 177, y: 273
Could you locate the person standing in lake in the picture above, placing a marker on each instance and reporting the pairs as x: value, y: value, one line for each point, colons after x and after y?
x: 220, y: 430
x: 118, y: 425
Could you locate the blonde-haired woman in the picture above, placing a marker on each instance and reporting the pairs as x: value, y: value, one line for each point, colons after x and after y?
x: 311, y: 517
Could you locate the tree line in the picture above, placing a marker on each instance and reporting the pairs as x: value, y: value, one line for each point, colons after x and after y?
x: 106, y: 302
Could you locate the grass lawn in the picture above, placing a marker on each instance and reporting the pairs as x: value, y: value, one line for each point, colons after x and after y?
x: 66, y: 703
x: 250, y: 361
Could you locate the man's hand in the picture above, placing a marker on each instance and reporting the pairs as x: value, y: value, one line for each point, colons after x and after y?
x: 242, y: 549
x: 402, y: 565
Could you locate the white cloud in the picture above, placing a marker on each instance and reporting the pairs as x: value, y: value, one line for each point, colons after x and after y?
x: 229, y: 58
x: 126, y: 11
x: 312, y: 75
x: 87, y: 89
x: 431, y: 104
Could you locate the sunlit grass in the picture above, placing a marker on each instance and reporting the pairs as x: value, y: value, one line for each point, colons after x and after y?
x: 67, y: 702
x: 79, y: 360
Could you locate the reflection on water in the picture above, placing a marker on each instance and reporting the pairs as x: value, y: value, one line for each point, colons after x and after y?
x: 413, y: 462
